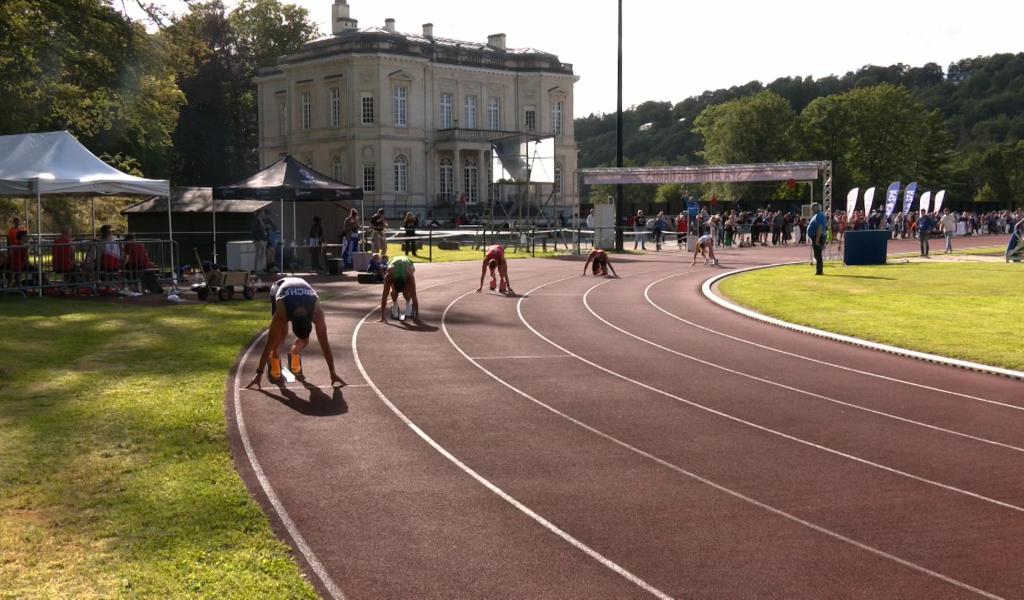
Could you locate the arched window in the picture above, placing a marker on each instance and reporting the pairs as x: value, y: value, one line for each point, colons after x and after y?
x: 471, y: 180
x: 447, y: 183
x: 557, y: 186
x: 401, y: 174
x: 336, y: 168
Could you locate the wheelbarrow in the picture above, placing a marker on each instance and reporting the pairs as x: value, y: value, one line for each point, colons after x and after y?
x: 223, y: 283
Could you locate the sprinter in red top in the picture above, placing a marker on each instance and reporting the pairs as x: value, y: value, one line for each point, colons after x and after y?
x: 601, y: 263
x: 495, y: 261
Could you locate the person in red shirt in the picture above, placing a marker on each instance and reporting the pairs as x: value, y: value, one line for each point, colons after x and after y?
x: 681, y: 226
x: 495, y: 261
x: 63, y: 252
x: 135, y: 256
x: 12, y: 233
x: 18, y: 253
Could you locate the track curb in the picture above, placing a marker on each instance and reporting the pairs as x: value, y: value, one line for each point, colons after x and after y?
x: 709, y: 293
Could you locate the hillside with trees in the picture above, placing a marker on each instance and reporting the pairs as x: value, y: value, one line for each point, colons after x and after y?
x: 960, y: 128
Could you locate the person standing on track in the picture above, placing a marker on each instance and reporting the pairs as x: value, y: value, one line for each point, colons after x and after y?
x: 705, y: 242
x: 495, y: 261
x: 601, y: 263
x: 400, y: 278
x: 292, y: 300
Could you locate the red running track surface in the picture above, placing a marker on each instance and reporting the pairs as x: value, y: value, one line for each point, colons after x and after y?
x: 627, y: 438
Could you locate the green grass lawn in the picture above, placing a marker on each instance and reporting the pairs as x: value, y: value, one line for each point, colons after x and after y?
x: 116, y: 478
x: 969, y: 311
x: 466, y: 253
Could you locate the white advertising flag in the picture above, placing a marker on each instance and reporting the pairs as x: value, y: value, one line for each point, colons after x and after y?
x: 851, y: 200
x: 926, y: 201
x: 869, y: 199
x: 938, y: 200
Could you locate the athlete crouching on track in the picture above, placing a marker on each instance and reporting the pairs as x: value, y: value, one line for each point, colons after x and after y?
x: 601, y: 263
x: 400, y: 277
x: 495, y: 261
x: 292, y: 300
x: 705, y: 243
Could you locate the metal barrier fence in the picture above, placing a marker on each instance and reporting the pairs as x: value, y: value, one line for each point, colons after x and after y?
x: 66, y: 267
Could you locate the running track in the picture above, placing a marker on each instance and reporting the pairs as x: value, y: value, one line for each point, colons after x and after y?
x: 627, y: 438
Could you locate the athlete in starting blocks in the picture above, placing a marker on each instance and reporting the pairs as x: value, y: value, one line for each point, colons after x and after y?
x: 292, y: 300
x: 601, y: 263
x: 705, y: 242
x: 400, y: 278
x: 495, y: 261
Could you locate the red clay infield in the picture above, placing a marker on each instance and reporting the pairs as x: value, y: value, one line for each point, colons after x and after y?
x: 627, y: 438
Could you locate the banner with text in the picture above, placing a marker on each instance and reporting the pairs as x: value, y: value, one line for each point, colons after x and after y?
x: 851, y: 200
x: 939, y: 198
x: 869, y: 200
x: 891, y: 196
x: 926, y: 200
x: 908, y: 197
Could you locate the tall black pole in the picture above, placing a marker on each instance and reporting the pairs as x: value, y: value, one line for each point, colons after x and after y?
x: 620, y: 195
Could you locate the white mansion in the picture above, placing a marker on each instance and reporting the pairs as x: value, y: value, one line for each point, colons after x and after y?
x: 411, y: 117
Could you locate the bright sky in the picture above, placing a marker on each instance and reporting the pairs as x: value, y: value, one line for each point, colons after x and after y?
x: 672, y: 50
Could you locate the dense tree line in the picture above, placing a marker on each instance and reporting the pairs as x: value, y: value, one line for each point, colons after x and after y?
x: 171, y: 97
x: 960, y: 129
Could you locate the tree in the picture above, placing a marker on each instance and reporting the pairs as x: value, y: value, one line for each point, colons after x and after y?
x: 219, y: 55
x: 887, y: 133
x: 748, y: 130
x: 755, y: 129
x: 80, y: 65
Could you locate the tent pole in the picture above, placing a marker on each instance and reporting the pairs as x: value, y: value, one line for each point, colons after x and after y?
x: 281, y: 235
x: 213, y: 211
x: 94, y: 216
x: 170, y: 236
x: 39, y: 235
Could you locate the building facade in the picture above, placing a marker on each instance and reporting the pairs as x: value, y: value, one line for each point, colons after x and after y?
x: 412, y: 118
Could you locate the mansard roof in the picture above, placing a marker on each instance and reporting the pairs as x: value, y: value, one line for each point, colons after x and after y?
x: 374, y: 40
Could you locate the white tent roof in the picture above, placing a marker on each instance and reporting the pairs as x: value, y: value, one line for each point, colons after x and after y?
x: 62, y: 165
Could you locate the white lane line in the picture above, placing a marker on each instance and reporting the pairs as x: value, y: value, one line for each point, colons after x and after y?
x: 924, y: 356
x: 765, y: 429
x: 268, y: 490
x: 520, y: 357
x: 586, y: 304
x: 815, y: 360
x: 776, y: 511
x: 485, y: 482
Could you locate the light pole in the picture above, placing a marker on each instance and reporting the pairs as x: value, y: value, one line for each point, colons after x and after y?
x: 620, y: 196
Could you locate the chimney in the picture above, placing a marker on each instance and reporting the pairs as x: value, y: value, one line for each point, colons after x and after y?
x: 496, y: 41
x: 341, y: 21
x: 389, y: 25
x: 428, y: 30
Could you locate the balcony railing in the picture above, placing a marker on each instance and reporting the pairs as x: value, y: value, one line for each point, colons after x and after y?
x: 459, y: 134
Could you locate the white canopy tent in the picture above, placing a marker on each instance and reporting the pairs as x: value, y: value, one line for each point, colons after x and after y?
x: 55, y: 163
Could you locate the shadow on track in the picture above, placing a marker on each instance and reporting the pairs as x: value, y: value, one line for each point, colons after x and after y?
x: 318, y: 404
